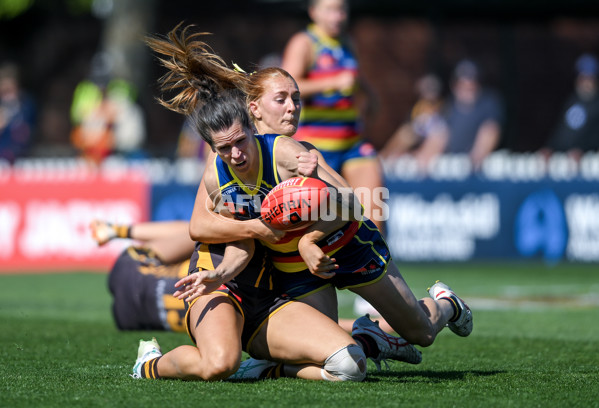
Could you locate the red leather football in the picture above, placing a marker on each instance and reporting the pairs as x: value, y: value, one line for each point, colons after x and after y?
x: 294, y: 203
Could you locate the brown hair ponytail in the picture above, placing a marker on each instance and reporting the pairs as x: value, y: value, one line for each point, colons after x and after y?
x: 195, y: 72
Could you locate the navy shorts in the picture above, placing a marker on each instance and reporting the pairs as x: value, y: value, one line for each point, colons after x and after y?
x: 338, y: 158
x: 362, y: 261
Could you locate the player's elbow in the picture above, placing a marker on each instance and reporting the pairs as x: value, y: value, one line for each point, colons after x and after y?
x: 196, y: 232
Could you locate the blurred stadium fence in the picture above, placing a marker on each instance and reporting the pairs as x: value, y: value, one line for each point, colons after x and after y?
x: 517, y: 206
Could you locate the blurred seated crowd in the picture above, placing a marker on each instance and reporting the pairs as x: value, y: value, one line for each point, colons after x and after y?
x: 470, y: 119
x: 464, y: 118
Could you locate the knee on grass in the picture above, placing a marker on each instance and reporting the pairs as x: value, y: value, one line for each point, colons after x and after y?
x: 221, y: 368
x: 211, y: 368
x: 346, y: 364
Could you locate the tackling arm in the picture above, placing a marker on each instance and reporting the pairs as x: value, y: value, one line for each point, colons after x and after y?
x: 212, y: 228
x: 236, y: 258
x: 345, y: 203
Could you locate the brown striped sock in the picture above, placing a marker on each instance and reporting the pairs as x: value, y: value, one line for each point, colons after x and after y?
x: 274, y: 372
x: 150, y: 369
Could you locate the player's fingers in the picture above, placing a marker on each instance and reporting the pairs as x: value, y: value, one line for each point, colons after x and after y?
x: 181, y: 295
x: 191, y: 289
x: 207, y: 276
x: 328, y: 263
x: 186, y: 294
x: 327, y: 268
x: 199, y: 291
x: 183, y: 281
x: 325, y: 275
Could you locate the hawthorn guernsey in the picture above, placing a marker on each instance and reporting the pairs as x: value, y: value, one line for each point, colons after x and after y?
x: 294, y: 203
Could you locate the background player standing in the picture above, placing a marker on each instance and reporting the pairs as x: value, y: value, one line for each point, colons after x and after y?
x: 324, y: 65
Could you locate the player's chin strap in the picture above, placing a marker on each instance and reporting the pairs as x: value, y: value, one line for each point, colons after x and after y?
x: 346, y: 364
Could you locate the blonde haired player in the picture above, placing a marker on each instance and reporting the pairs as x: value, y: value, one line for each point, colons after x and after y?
x: 233, y: 279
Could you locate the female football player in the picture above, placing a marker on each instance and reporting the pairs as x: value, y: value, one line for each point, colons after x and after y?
x: 323, y: 63
x: 241, y: 311
x: 243, y: 165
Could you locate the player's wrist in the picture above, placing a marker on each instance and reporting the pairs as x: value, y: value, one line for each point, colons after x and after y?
x: 307, y: 240
x: 255, y: 229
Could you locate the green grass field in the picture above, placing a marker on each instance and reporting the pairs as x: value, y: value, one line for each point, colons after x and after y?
x: 535, y: 344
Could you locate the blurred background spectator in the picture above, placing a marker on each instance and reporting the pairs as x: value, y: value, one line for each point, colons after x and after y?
x: 524, y: 54
x: 474, y: 115
x: 190, y: 144
x: 17, y: 115
x: 323, y: 62
x: 105, y: 116
x: 425, y: 132
x: 468, y: 122
x: 578, y: 128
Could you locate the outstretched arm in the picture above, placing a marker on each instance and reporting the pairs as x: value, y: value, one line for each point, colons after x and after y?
x: 168, y: 239
x: 235, y: 260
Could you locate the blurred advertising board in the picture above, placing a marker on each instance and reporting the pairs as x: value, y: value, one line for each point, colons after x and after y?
x: 483, y: 219
x: 45, y: 217
x: 516, y: 208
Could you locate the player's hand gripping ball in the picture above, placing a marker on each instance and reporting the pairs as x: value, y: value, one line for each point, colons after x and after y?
x: 294, y: 203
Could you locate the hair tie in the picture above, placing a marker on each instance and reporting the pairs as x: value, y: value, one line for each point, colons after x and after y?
x: 239, y: 69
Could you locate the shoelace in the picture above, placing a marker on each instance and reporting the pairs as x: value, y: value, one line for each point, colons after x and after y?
x: 377, y: 363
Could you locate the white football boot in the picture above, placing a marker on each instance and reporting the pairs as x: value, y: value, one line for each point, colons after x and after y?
x: 463, y: 324
x: 147, y: 350
x: 390, y: 347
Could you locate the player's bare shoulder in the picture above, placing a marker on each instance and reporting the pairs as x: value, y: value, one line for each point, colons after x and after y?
x: 298, y: 41
x: 211, y: 181
x: 297, y: 55
x: 286, y: 153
